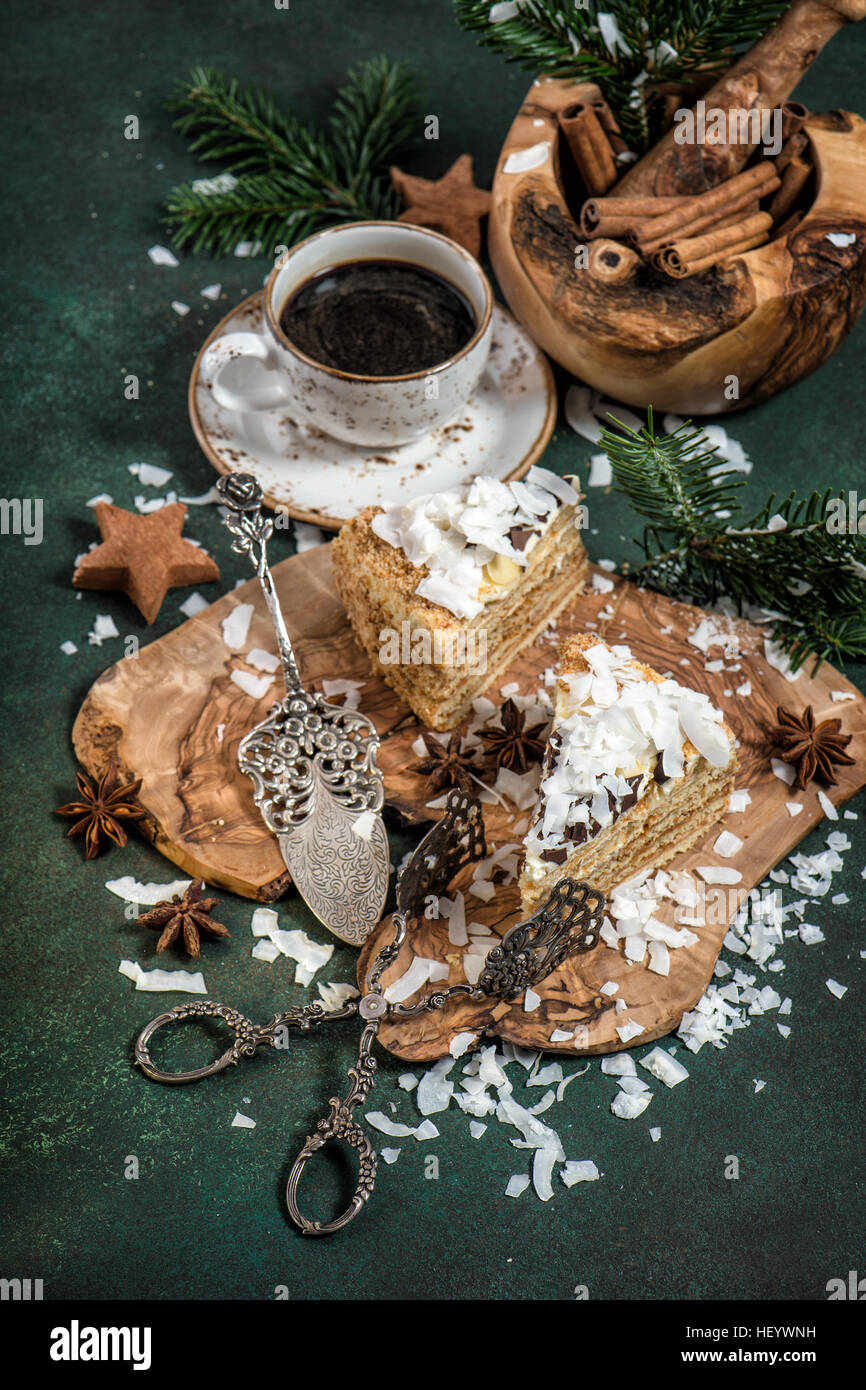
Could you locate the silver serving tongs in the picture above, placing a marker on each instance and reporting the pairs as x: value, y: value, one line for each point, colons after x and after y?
x: 313, y: 765
x: 569, y: 921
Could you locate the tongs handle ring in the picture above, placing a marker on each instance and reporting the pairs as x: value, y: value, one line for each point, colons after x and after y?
x: 248, y: 1038
x: 339, y: 1124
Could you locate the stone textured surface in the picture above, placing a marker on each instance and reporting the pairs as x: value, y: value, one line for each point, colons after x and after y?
x: 205, y: 1216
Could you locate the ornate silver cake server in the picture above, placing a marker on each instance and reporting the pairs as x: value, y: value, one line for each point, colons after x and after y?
x: 569, y: 921
x: 313, y: 765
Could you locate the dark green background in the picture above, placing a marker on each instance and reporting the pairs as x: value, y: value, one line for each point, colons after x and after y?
x: 84, y: 306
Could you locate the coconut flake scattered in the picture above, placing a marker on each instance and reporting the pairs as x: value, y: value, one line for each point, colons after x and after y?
x: 727, y: 845
x: 68, y: 648
x: 256, y: 687
x: 840, y: 239
x: 517, y: 1184
x: 146, y: 894
x: 579, y: 1170
x: 242, y: 1121
x: 520, y: 161
x: 262, y: 660
x: 456, y: 534
x: 104, y: 627
x: 426, y: 1130
x: 160, y: 255
x: 193, y: 605
x: 629, y: 1107
x: 664, y: 1067
x: 158, y: 981
x: 836, y: 989
x: 236, y: 625
x: 827, y: 806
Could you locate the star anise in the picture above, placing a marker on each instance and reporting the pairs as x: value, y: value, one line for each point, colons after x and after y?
x: 514, y: 746
x: 183, y: 920
x: 814, y: 749
x: 446, y: 764
x: 102, y: 809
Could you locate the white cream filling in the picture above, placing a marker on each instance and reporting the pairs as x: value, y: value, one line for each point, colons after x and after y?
x: 462, y: 536
x: 614, y: 725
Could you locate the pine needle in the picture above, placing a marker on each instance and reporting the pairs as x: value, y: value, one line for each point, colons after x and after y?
x: 665, y: 41
x: 783, y: 563
x: 286, y: 178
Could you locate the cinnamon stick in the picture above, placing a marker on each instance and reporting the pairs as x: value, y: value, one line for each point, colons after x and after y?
x: 616, y: 216
x: 794, y: 180
x: 748, y: 244
x: 700, y: 211
x: 787, y: 227
x: 680, y: 258
x: 609, y: 124
x: 589, y: 146
x: 610, y: 262
x: 794, y: 113
x: 793, y: 146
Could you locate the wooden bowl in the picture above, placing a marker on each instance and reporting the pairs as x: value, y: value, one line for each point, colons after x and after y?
x: 767, y: 318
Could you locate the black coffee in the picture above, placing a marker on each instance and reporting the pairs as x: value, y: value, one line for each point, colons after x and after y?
x: 378, y: 318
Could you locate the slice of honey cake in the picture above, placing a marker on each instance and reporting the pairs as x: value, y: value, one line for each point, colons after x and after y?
x: 444, y: 591
x: 637, y: 769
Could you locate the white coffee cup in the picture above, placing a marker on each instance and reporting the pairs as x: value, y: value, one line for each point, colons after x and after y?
x: 364, y: 410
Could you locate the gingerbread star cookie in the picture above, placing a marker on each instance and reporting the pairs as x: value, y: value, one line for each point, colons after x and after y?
x: 144, y: 556
x: 452, y: 204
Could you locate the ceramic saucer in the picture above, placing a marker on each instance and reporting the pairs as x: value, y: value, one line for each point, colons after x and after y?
x: 503, y: 428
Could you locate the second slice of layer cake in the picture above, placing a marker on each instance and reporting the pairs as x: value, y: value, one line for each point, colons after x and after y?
x: 444, y: 591
x: 638, y: 768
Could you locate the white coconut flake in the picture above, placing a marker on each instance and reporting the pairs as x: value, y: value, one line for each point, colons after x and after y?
x: 390, y: 1155
x: 739, y: 800
x: 476, y: 1129
x: 579, y: 1170
x: 793, y: 807
x: 517, y: 1184
x: 836, y: 989
x: 159, y: 981
x: 395, y: 1130
x: 629, y: 1030
x: 655, y: 1134
x: 180, y: 308
x: 827, y: 806
x: 531, y: 1001
x: 717, y: 873
x: 160, y: 255
x: 520, y: 161
x: 262, y: 660
x: 461, y: 1043
x: 839, y: 695
x: 68, y: 648
x: 103, y: 628
x: 434, y: 1090
x: 193, y: 605
x: 664, y: 1068
x: 236, y: 625
x: 727, y: 845
x: 256, y: 687
x: 619, y: 1064
x: 146, y: 894
x: 840, y: 239
x: 266, y: 951
x: 309, y: 955
x: 600, y: 470
x: 242, y: 1121
x: 628, y: 1107
x: 420, y: 972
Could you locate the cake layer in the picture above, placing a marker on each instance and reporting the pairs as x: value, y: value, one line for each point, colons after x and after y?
x: 438, y: 660
x: 624, y: 786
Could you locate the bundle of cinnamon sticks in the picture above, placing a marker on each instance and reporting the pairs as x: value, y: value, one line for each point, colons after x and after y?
x: 685, y: 235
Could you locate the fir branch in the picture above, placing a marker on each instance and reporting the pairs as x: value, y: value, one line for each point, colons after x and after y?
x: 284, y: 179
x: 667, y: 41
x: 783, y: 560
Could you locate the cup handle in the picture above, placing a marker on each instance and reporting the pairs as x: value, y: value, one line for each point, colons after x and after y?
x: 264, y: 396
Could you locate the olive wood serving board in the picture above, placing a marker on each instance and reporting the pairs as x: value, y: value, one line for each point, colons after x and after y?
x: 173, y: 716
